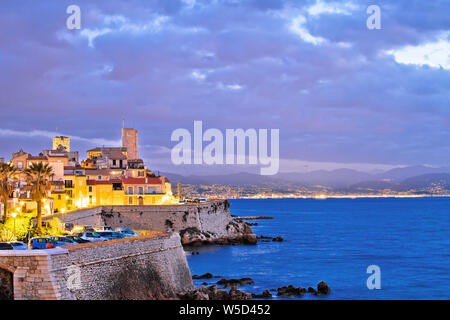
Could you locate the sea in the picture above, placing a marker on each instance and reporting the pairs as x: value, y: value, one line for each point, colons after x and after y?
x: 340, y: 241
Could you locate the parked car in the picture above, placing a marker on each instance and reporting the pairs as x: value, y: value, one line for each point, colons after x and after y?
x: 111, y: 235
x: 6, y: 246
x: 127, y: 232
x: 63, y: 241
x: 201, y: 200
x: 78, y: 228
x: 17, y: 245
x: 77, y: 239
x: 91, y: 236
x: 42, y: 243
x: 103, y: 228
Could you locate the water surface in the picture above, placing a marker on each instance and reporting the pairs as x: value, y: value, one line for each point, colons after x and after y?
x: 336, y: 240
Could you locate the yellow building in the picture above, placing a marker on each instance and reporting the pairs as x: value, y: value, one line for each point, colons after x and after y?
x: 61, y: 141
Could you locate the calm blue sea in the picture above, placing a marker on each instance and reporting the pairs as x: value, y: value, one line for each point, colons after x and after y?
x: 335, y: 240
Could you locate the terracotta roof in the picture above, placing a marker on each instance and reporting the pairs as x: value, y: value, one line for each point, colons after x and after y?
x: 57, y: 156
x: 107, y: 149
x: 100, y: 172
x: 102, y: 182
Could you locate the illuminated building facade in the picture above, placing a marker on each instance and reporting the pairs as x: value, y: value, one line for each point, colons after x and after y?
x: 108, y: 176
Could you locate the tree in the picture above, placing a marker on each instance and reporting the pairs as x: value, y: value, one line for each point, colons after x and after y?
x: 39, y: 175
x: 7, y: 176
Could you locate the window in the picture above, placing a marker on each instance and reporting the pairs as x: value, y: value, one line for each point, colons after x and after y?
x: 130, y: 190
x: 99, y: 177
x: 90, y: 199
x: 114, y: 162
x: 140, y: 173
x: 59, y: 197
x: 20, y: 165
x: 141, y: 190
x: 90, y: 190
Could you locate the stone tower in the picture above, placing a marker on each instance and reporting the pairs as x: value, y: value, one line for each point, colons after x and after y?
x: 61, y: 141
x: 130, y: 141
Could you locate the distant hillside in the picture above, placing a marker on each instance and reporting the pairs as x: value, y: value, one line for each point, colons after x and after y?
x: 428, y: 181
x: 236, y: 179
x: 399, y: 174
x: 334, y: 178
x: 345, y: 180
x: 422, y: 183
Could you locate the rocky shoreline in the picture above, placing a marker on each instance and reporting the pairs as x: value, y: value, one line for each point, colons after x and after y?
x: 213, y: 292
x: 237, y: 232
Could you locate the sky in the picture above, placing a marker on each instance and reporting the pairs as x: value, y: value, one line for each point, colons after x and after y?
x: 342, y: 95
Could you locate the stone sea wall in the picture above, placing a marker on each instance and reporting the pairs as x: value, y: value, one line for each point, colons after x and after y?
x: 197, y: 223
x: 145, y: 267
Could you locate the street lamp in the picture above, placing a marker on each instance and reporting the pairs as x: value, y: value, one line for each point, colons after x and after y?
x: 14, y: 214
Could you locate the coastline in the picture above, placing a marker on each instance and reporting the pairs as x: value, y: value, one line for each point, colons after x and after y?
x: 346, y: 197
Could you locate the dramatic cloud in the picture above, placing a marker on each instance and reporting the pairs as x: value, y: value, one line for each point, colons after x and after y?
x: 339, y: 93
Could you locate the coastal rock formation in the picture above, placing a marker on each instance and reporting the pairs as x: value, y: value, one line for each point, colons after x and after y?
x: 265, y: 295
x: 203, y: 276
x: 290, y: 290
x: 227, y: 283
x: 235, y: 233
x: 213, y: 293
x: 275, y: 239
x: 323, y: 288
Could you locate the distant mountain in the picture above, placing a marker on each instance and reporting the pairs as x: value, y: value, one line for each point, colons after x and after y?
x: 399, y: 174
x: 400, y: 179
x: 335, y: 178
x: 420, y: 183
x: 428, y: 181
x: 235, y: 179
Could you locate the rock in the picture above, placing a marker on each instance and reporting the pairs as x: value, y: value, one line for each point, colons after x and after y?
x: 278, y: 239
x: 236, y: 294
x: 235, y: 282
x: 290, y: 291
x: 241, y: 232
x: 235, y: 233
x: 265, y: 295
x: 203, y: 276
x: 204, y: 283
x: 312, y: 290
x: 255, y: 217
x: 323, y: 288
x: 193, y: 236
x: 212, y: 293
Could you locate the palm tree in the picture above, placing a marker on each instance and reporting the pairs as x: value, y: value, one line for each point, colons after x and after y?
x: 7, y: 175
x: 39, y: 175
